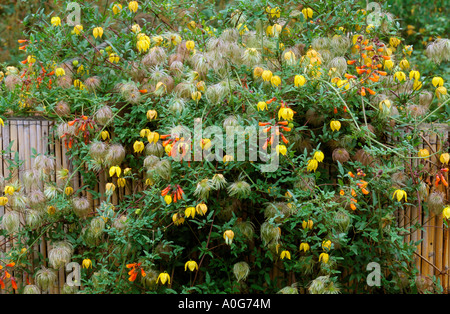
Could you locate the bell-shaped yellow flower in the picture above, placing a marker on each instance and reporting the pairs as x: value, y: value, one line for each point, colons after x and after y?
x: 281, y: 149
x: 307, y: 224
x: 437, y: 81
x: 152, y: 114
x: 121, y: 182
x: 87, y: 263
x: 68, y: 190
x: 446, y: 212
x: 190, y: 45
x: 400, y: 76
x: 168, y: 199
x: 404, y: 64
x: 56, y: 21
x: 191, y: 265
x: 60, y: 72
x: 423, y: 153
x: 104, y: 135
x: 299, y: 80
x: 319, y: 156
x: 335, y: 125
x: 115, y: 170
x: 117, y: 8
x: 440, y: 91
x: 414, y: 75
x: 400, y: 194
x: 163, y: 278
x: 285, y: 254
x: 262, y: 105
x: 138, y: 146
x: 275, y: 80
x: 326, y: 245
x: 267, y: 75
x: 133, y: 6
x: 97, y: 32
x: 304, y: 247
x: 9, y: 190
x: 77, y: 29
x: 307, y: 13
x: 177, y: 219
x: 201, y: 209
x: 228, y: 236
x: 3, y: 200
x: 190, y: 212
x: 312, y: 165
x: 444, y: 158
x: 324, y: 257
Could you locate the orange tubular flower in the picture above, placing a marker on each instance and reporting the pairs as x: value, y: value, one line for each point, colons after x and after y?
x: 13, y: 283
x: 350, y: 62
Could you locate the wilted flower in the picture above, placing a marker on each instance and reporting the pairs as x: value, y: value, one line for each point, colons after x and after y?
x: 45, y: 278
x: 241, y: 271
x: 11, y: 221
x: 60, y: 254
x: 240, y: 189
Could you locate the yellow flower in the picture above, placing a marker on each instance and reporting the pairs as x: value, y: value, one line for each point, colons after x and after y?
x: 110, y: 187
x: 192, y: 265
x: 281, y: 149
x: 400, y: 194
x: 56, y: 21
x: 121, y: 182
x: 205, y: 143
x: 115, y: 170
x: 285, y: 254
x: 201, y: 209
x: 163, y: 278
x: 424, y: 153
x: 400, y: 76
x: 227, y: 158
x: 285, y: 113
x: 307, y: 13
x: 133, y: 6
x: 2, y: 123
x: 385, y: 105
x: 304, y: 246
x: 177, y: 219
x: 192, y: 25
x: 3, y: 201
x: 196, y: 96
x: 445, y: 158
x: 275, y: 80
x: 144, y: 132
x: 117, y: 7
x: 68, y: 190
x: 267, y: 75
x: 114, y: 58
x: 104, y: 135
x: 138, y: 146
x: 228, y: 235
x: 51, y: 210
x: 324, y: 257
x: 319, y: 156
x: 168, y: 199
x: 9, y: 190
x: 326, y: 245
x: 388, y: 64
x: 257, y: 72
x: 189, y: 212
x: 394, y: 42
x: 153, y: 137
x: 414, y: 75
x: 407, y: 50
x: 97, y: 32
x: 417, y: 85
x: 60, y: 72
x: 152, y: 114
x: 190, y: 45
x: 307, y: 224
x: 441, y: 91
x: 262, y: 105
x: 404, y: 64
x: 446, y: 212
x: 87, y: 263
x: 369, y: 28
x: 135, y: 28
x: 312, y: 165
x: 77, y: 29
x: 289, y: 56
x: 437, y: 81
x: 299, y: 80
x: 335, y: 125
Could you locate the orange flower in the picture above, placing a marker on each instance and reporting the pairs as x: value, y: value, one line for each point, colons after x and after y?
x: 13, y: 283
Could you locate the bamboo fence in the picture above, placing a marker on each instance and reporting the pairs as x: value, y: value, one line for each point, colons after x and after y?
x: 28, y: 135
